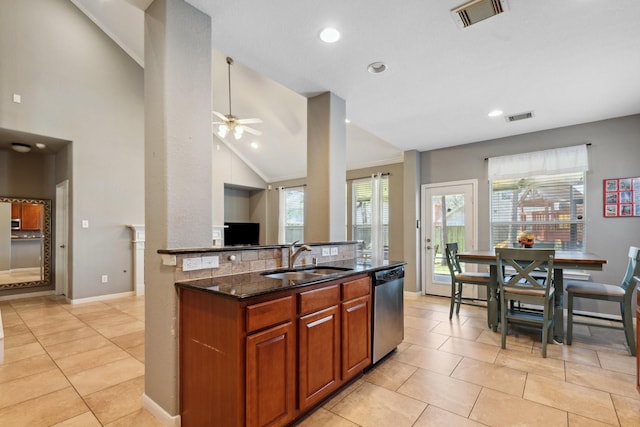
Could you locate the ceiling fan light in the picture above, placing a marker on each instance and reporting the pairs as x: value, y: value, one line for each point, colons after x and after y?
x: 223, y: 130
x: 237, y: 132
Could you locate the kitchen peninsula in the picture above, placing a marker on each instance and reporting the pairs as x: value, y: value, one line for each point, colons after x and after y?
x: 264, y: 345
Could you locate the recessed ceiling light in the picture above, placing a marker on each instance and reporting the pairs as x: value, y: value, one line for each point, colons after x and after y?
x: 20, y: 147
x: 329, y: 35
x: 377, y: 67
x: 347, y: 121
x: 495, y: 113
x: 41, y: 146
x: 254, y: 145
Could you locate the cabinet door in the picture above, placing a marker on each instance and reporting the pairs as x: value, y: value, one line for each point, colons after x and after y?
x: 16, y: 210
x: 271, y: 376
x: 356, y: 336
x: 31, y: 216
x: 319, y: 355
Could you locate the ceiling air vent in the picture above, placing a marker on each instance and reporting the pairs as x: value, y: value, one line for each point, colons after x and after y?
x: 521, y: 116
x: 475, y: 11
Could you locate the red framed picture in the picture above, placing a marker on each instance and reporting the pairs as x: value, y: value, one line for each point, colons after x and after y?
x: 621, y: 197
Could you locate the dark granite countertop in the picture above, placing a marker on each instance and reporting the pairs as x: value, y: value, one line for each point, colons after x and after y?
x: 247, y: 285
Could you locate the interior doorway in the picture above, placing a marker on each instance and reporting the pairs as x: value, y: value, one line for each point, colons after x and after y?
x: 449, y: 214
x: 62, y: 238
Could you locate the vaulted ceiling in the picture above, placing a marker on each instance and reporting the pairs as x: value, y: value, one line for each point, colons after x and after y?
x: 568, y: 62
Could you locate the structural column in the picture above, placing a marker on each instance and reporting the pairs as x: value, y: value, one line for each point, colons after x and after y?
x: 178, y: 178
x: 325, y: 198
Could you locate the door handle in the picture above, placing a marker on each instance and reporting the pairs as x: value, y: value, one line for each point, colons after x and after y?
x: 62, y: 246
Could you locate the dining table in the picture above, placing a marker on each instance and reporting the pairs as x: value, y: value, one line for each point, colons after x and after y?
x: 574, y: 260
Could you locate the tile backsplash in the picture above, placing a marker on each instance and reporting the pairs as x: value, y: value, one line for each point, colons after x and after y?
x: 259, y: 259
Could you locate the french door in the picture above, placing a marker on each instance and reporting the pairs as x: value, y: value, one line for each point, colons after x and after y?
x: 449, y: 215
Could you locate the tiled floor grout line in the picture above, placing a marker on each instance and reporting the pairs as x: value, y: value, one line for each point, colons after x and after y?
x: 55, y: 362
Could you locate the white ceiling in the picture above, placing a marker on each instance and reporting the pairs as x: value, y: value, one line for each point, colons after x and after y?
x: 569, y: 62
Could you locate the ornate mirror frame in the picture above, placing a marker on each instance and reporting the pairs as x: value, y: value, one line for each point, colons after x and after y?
x: 45, y: 264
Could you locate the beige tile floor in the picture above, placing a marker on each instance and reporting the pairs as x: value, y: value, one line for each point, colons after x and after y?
x: 83, y: 365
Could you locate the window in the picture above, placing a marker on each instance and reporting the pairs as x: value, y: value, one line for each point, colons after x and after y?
x: 541, y: 193
x: 549, y: 207
x: 291, y: 223
x: 364, y: 209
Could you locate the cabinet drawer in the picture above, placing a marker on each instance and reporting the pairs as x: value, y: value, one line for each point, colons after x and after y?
x: 356, y: 288
x: 318, y: 299
x: 269, y: 313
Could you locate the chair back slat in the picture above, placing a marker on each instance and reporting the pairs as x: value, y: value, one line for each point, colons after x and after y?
x: 525, y: 262
x: 451, y: 250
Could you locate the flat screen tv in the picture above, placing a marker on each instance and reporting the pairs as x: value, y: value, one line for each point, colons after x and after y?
x: 241, y: 233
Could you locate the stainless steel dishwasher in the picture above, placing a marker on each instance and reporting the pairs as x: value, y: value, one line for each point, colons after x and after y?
x: 388, y: 311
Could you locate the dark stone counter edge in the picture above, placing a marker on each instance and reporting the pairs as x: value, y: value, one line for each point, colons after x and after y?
x: 179, y: 251
x: 249, y: 285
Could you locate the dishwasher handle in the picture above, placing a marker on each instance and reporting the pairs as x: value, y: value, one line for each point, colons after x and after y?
x: 384, y: 276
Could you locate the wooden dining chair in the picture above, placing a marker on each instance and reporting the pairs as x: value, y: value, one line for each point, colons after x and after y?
x: 622, y: 294
x: 460, y: 278
x: 522, y: 282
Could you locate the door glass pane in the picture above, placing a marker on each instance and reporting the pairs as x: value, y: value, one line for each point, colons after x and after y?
x: 448, y: 226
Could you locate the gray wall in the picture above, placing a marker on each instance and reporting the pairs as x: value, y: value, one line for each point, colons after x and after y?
x: 92, y: 95
x: 614, y: 153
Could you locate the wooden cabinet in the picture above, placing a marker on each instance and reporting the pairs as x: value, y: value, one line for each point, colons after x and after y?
x: 30, y: 215
x: 271, y: 358
x: 267, y: 360
x: 318, y: 344
x: 356, y: 327
x: 271, y: 376
x: 16, y: 210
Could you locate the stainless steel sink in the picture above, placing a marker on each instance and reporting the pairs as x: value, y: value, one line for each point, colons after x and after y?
x: 326, y: 270
x: 293, y: 275
x: 310, y: 273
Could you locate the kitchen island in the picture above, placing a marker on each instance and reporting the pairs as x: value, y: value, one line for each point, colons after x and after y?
x: 257, y: 350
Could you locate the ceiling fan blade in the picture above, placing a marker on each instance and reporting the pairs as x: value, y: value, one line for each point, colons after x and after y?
x: 219, y: 123
x: 252, y: 131
x: 249, y: 121
x: 222, y: 116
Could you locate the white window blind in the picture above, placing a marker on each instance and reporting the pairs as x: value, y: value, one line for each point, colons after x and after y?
x: 546, y: 162
x: 549, y: 205
x: 291, y: 215
x: 371, y: 215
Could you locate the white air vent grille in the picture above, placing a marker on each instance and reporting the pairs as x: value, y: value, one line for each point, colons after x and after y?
x: 475, y: 11
x: 520, y: 116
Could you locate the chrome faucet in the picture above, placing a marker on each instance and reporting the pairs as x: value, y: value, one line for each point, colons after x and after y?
x: 295, y: 253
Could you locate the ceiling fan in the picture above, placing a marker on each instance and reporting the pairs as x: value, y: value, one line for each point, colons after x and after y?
x: 230, y: 123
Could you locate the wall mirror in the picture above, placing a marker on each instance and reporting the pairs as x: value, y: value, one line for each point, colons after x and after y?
x: 25, y: 242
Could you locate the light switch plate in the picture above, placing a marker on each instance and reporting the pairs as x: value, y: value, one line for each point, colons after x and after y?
x: 326, y: 252
x: 189, y: 264
x: 334, y: 251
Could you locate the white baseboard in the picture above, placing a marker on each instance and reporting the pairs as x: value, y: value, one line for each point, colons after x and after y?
x: 100, y: 298
x: 139, y: 289
x: 159, y: 413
